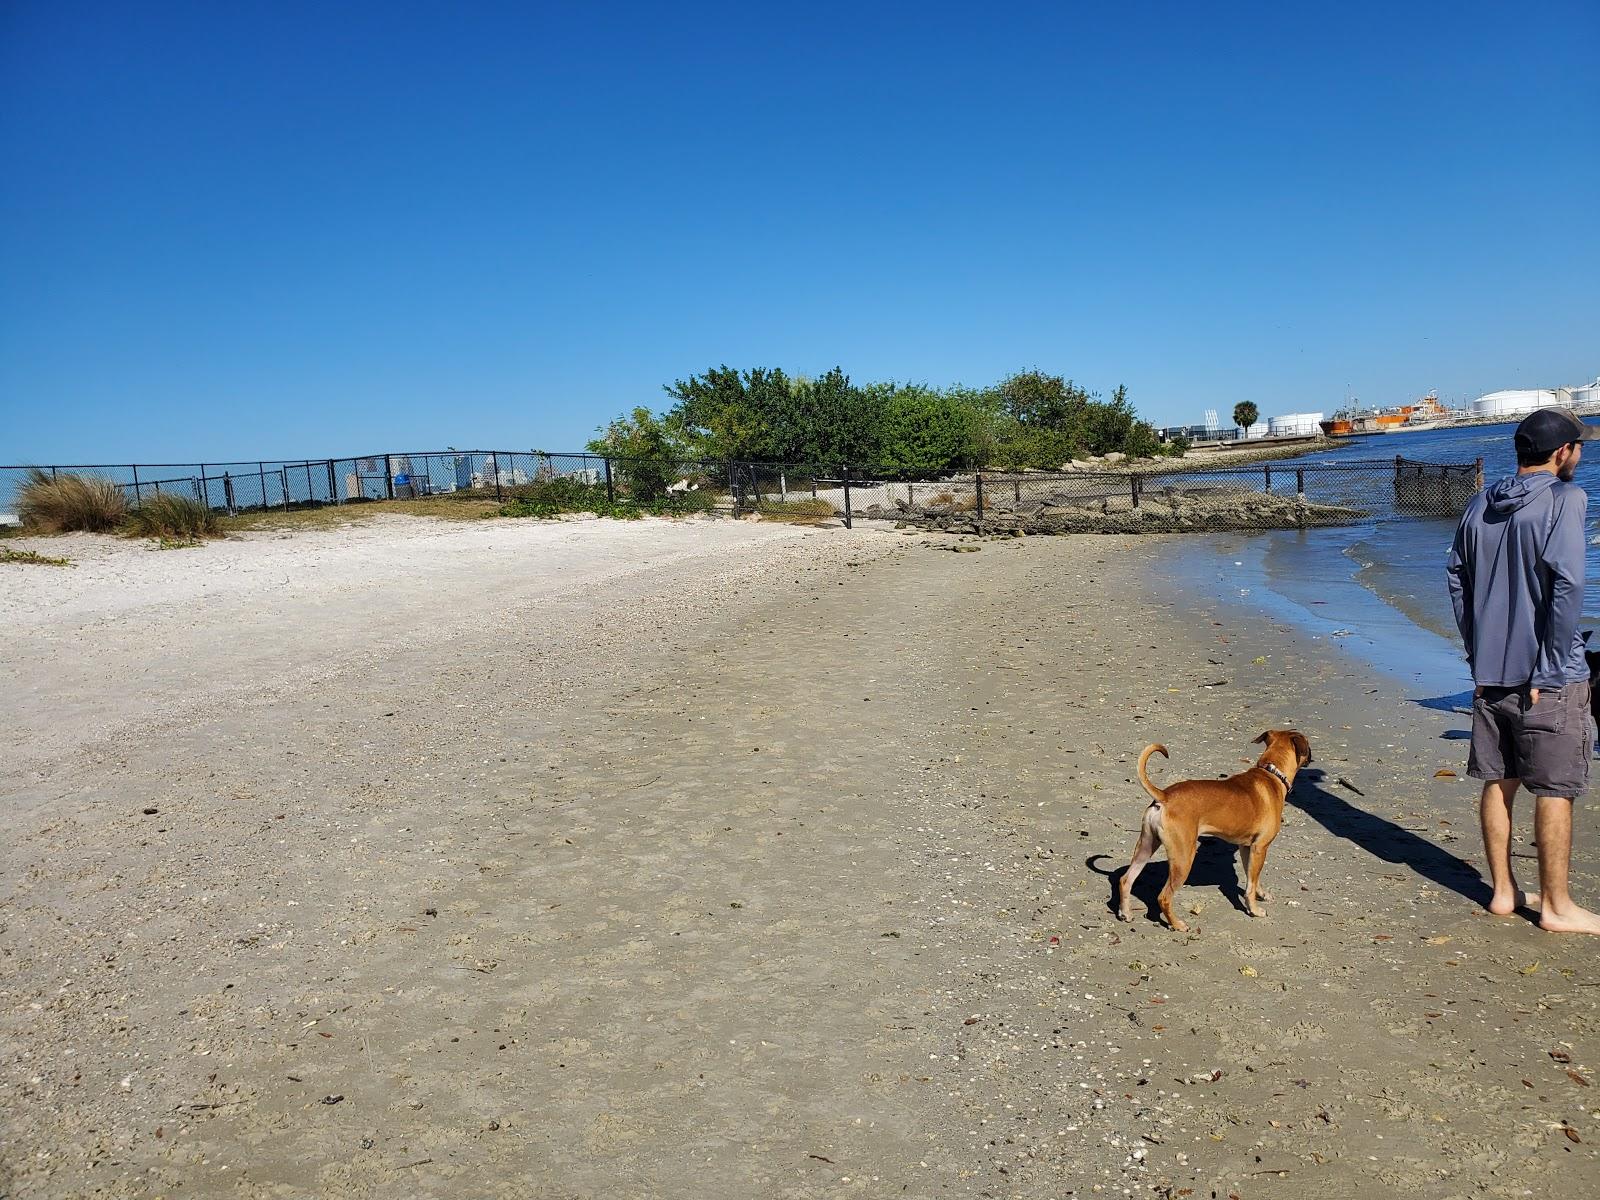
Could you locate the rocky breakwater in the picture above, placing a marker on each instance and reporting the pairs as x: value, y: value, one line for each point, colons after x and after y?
x: 1157, y: 510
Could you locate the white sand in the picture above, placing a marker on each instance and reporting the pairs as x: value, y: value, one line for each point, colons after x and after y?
x: 128, y: 632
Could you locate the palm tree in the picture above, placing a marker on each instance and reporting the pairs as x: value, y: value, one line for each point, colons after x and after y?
x: 1246, y: 414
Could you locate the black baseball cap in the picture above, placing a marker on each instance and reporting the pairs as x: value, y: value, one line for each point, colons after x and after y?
x: 1546, y: 430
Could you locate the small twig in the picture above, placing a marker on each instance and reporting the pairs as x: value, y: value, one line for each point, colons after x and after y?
x: 1346, y: 783
x: 421, y: 1162
x: 645, y: 784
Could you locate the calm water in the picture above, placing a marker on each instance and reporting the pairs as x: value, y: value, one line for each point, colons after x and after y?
x: 1377, y: 590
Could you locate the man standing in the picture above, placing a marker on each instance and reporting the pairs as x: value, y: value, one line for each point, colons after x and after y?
x: 1516, y: 579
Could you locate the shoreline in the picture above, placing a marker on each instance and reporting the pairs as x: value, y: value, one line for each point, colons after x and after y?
x: 562, y: 886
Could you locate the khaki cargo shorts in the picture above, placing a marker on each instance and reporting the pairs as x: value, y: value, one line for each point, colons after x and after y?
x: 1547, y: 745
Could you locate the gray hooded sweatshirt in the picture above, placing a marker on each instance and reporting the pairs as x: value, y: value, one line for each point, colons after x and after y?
x: 1516, y: 580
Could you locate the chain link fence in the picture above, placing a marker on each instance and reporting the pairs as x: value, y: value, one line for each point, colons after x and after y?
x: 1263, y: 495
x: 1258, y: 496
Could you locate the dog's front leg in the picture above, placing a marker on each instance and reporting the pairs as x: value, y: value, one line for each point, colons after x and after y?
x: 1255, y: 857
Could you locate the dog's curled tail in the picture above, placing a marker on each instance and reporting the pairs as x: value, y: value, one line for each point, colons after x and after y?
x: 1157, y: 794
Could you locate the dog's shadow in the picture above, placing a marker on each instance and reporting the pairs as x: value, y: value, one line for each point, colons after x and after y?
x: 1216, y: 863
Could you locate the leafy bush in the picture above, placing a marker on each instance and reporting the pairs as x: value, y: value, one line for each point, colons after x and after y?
x: 645, y: 463
x: 169, y: 516
x: 70, y: 502
x: 558, y: 496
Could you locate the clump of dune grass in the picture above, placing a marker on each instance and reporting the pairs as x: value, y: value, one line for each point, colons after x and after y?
x: 172, y: 517
x: 62, y: 503
x: 32, y: 558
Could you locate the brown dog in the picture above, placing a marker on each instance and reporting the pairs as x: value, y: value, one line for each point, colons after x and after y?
x: 1245, y: 809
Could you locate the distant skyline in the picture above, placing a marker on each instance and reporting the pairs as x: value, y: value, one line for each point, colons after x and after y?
x: 288, y: 229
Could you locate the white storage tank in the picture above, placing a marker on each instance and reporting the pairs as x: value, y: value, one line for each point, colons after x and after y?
x: 1294, y: 425
x: 1518, y: 400
x: 1587, y: 395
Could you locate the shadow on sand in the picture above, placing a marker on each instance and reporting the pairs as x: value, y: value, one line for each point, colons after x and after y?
x: 1216, y: 863
x: 1458, y: 704
x: 1384, y: 839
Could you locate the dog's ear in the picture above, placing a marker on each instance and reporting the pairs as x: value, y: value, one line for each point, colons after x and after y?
x: 1265, y: 737
x: 1302, y: 747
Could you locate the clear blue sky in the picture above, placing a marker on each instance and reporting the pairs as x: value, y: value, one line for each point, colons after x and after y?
x: 246, y: 230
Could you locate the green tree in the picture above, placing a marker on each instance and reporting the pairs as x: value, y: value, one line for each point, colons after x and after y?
x: 925, y: 432
x: 844, y: 422
x: 644, y: 458
x: 1246, y: 414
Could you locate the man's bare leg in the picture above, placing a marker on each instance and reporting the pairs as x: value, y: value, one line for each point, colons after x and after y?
x: 1494, y: 813
x: 1553, y: 829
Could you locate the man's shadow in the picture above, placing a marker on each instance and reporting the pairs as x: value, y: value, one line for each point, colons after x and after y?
x: 1384, y: 839
x: 1456, y: 703
x: 1215, y: 864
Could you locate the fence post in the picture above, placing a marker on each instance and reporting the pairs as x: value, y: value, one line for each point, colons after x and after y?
x: 136, y: 494
x: 261, y: 469
x: 497, y: 494
x: 284, y: 472
x: 205, y: 492
x: 1016, y: 490
x: 1133, y: 487
x: 1300, y: 482
x: 333, y: 485
x: 979, y: 478
x: 227, y: 493
x: 388, y: 477
x: 611, y: 496
x: 1478, y: 467
x: 847, y: 519
x: 1268, y: 471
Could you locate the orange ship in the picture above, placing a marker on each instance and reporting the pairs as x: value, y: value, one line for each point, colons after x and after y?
x: 1351, y: 422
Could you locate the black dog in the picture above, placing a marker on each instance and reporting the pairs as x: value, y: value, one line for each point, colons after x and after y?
x: 1592, y: 657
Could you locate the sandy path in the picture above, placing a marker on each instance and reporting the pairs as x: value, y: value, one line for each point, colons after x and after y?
x: 779, y: 875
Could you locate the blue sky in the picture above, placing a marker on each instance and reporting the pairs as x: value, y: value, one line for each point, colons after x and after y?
x: 260, y: 230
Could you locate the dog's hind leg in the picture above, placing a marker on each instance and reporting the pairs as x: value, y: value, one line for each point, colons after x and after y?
x: 1149, y: 841
x: 1180, y: 858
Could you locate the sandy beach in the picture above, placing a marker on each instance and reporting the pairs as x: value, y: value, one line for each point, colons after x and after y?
x: 725, y: 859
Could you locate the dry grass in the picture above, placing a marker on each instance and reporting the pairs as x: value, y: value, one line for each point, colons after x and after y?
x: 337, y: 516
x: 798, y: 512
x: 59, y: 504
x: 170, y: 517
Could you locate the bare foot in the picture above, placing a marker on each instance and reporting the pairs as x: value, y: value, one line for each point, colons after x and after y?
x: 1505, y: 905
x: 1573, y: 920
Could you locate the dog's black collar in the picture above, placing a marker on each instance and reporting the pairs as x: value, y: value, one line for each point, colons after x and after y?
x: 1271, y: 769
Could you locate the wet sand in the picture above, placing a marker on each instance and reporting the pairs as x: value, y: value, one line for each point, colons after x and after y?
x: 778, y: 870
